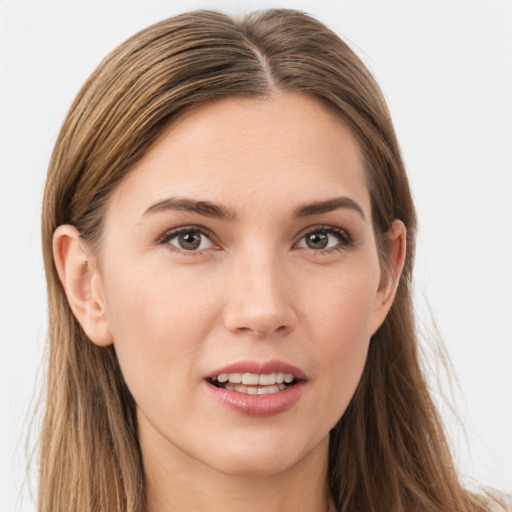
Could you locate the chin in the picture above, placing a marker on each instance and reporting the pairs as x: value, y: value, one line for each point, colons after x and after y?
x: 261, y: 458
x: 254, y: 467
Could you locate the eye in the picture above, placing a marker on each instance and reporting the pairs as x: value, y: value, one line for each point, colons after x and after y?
x: 188, y: 239
x: 324, y: 239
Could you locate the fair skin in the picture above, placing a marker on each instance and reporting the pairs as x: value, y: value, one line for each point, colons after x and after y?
x: 269, y: 277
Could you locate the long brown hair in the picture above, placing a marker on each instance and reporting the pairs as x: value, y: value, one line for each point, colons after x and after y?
x: 388, y: 451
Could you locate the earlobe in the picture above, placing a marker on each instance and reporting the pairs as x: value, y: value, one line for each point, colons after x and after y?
x: 390, y: 277
x: 82, y: 284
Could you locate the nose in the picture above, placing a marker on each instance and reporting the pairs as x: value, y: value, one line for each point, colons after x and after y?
x: 259, y: 298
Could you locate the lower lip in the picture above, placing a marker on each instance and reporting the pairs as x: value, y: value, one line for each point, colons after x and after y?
x: 258, y: 406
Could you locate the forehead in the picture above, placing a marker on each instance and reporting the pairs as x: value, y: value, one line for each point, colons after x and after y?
x: 283, y: 149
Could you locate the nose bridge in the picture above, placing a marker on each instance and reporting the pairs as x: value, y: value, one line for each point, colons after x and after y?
x: 258, y: 300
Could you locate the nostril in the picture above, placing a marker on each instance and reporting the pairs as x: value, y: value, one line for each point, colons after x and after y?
x: 262, y: 332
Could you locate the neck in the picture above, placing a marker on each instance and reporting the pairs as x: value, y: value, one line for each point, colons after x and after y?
x: 174, y: 482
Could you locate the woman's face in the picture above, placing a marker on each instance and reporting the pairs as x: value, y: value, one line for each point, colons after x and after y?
x: 241, y: 245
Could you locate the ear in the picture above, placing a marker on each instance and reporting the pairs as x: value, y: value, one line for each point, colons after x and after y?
x: 390, y: 276
x: 82, y: 284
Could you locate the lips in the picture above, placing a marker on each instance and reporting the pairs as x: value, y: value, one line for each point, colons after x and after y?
x: 257, y: 389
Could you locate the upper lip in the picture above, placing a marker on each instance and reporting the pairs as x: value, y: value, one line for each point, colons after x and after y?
x: 260, y: 367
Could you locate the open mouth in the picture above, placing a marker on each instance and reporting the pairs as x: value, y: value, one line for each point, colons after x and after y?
x: 254, y: 383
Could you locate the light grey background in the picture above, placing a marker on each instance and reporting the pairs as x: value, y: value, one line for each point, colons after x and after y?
x: 446, y: 70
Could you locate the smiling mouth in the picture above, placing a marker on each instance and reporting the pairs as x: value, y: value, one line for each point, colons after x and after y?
x: 254, y: 383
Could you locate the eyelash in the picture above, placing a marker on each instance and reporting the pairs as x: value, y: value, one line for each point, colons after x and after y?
x: 174, y: 233
x: 344, y: 238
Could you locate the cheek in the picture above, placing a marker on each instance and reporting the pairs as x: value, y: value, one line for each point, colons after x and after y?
x: 342, y: 306
x: 340, y: 321
x: 158, y: 322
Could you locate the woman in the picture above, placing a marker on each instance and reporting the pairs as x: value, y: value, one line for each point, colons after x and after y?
x: 229, y: 237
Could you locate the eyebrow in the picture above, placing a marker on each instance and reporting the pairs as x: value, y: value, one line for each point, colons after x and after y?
x: 210, y: 209
x: 328, y: 205
x: 205, y: 208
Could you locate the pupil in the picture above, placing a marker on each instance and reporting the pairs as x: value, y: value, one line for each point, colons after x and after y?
x: 190, y: 241
x: 317, y: 240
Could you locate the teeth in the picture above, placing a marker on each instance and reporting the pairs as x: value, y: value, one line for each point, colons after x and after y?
x: 236, y: 378
x: 268, y: 389
x: 267, y: 380
x: 254, y: 383
x: 254, y: 390
x: 254, y: 379
x: 250, y: 378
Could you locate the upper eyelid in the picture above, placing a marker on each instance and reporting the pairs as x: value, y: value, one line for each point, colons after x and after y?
x: 325, y: 227
x: 173, y: 232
